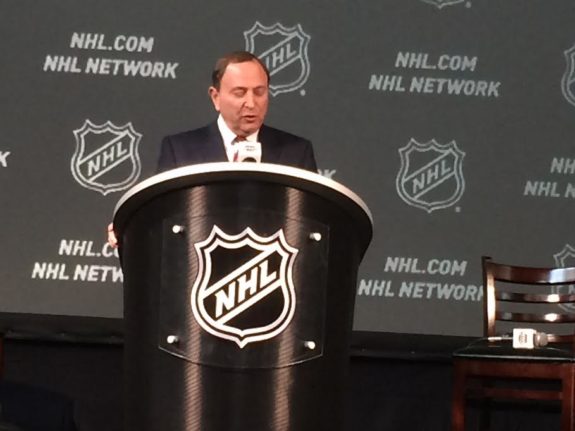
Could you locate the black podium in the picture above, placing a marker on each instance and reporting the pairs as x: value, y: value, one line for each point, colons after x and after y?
x: 239, y: 287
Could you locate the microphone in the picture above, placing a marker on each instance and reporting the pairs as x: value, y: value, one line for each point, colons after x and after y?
x: 524, y: 338
x: 249, y: 151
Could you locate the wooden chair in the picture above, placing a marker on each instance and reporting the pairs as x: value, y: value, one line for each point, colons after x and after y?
x: 521, y: 297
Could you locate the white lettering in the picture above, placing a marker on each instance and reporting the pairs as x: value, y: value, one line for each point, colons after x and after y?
x: 428, y: 85
x: 246, y: 285
x: 446, y: 267
x: 226, y: 300
x: 375, y: 82
x: 420, y: 60
x: 457, y: 63
x: 61, y: 63
x: 386, y: 83
x: 111, y: 154
x: 402, y: 264
x: 49, y: 271
x: 134, y: 43
x: 328, y: 173
x: 170, y: 71
x: 4, y: 158
x: 75, y: 247
x: 144, y: 69
x: 375, y: 288
x: 98, y: 273
x: 405, y: 289
x: 540, y: 188
x: 266, y: 278
x: 562, y: 165
x: 280, y: 56
x: 109, y: 251
x: 88, y: 41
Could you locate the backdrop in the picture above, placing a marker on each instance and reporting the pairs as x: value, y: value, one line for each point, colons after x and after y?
x: 453, y: 119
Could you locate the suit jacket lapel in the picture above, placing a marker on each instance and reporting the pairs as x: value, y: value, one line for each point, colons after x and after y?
x: 271, y: 151
x: 213, y: 147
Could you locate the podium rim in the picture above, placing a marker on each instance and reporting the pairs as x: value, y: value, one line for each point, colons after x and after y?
x: 224, y: 167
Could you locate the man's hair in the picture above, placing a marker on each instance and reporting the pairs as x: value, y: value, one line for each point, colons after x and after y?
x: 231, y: 58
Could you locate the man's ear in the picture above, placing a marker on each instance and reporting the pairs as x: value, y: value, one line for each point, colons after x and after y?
x: 215, y: 96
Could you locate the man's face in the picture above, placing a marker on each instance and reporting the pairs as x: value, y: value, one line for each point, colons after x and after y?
x: 242, y: 99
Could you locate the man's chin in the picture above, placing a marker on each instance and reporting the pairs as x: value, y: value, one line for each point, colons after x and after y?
x: 251, y: 127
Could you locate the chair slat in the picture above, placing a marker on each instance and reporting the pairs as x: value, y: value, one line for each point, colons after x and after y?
x: 563, y: 339
x: 534, y: 317
x: 522, y: 274
x: 510, y: 394
x: 550, y: 298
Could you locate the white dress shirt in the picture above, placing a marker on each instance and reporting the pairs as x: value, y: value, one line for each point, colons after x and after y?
x: 229, y: 138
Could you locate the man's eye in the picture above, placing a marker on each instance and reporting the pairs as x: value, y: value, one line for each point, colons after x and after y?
x: 239, y: 93
x: 260, y: 91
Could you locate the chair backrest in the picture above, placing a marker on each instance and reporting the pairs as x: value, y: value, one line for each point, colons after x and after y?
x: 529, y: 297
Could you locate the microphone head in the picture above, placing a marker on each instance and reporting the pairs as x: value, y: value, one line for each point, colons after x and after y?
x: 249, y: 151
x: 541, y: 339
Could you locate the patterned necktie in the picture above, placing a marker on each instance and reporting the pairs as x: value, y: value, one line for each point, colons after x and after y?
x: 237, y: 140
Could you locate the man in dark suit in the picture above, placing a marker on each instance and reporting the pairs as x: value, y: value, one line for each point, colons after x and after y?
x: 239, y: 92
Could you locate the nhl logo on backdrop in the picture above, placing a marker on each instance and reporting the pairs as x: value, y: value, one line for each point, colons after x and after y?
x: 568, y: 80
x: 244, y: 289
x: 442, y: 3
x: 565, y: 258
x: 431, y: 175
x: 106, y: 157
x: 284, y: 51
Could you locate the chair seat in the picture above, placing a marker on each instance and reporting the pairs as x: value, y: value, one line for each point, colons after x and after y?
x: 505, y: 351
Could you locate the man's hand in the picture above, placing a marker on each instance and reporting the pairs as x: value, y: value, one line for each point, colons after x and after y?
x: 112, y: 240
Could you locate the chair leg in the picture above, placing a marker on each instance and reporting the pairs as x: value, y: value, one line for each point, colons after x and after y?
x: 568, y: 398
x: 485, y: 405
x: 485, y: 414
x: 1, y: 355
x: 458, y: 398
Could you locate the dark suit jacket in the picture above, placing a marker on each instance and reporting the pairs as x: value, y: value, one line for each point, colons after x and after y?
x: 205, y: 145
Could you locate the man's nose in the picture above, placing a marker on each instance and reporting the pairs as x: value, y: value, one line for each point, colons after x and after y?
x: 249, y: 100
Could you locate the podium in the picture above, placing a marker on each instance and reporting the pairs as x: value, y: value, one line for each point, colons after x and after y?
x: 239, y: 289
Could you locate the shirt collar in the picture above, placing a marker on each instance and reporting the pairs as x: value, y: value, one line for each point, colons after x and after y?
x: 228, y: 136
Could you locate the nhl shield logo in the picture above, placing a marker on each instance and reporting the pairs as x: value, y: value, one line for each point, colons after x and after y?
x: 565, y: 258
x: 244, y: 289
x: 284, y: 51
x: 568, y: 80
x: 106, y: 157
x: 431, y: 175
x: 442, y: 3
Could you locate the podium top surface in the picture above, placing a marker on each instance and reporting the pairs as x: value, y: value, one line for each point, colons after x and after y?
x: 209, y: 173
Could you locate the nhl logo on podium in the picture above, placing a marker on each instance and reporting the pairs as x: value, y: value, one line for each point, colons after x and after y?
x: 106, y: 157
x: 244, y: 289
x: 284, y: 51
x: 431, y: 175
